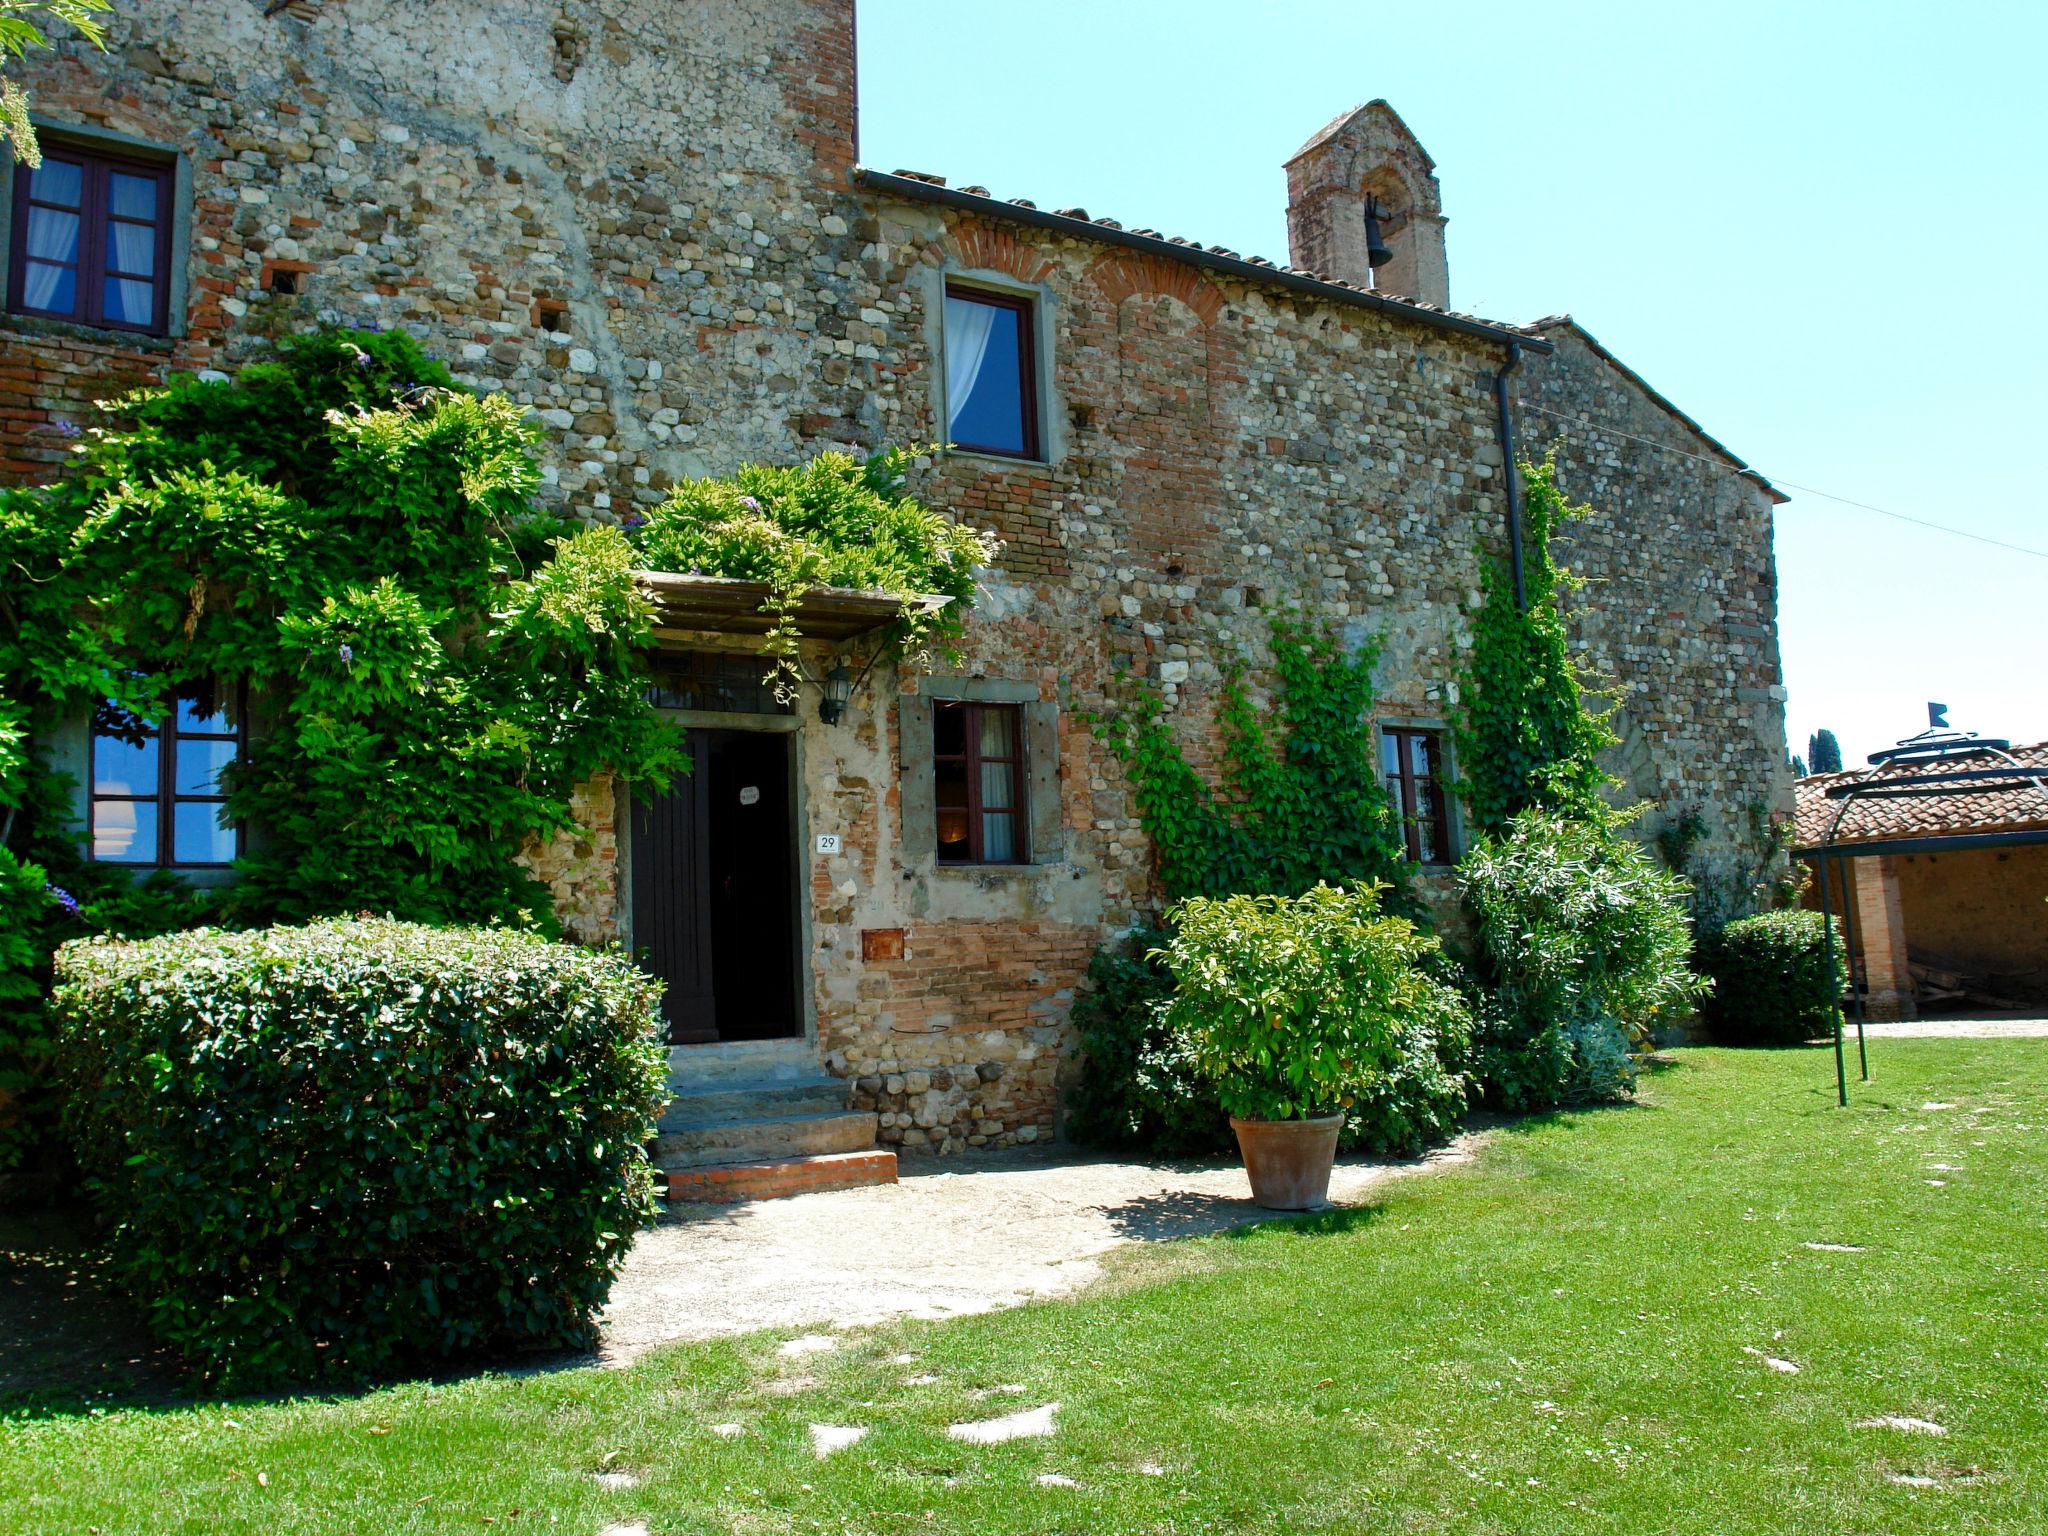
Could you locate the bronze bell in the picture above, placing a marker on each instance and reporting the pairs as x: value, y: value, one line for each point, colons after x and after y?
x: 1376, y: 252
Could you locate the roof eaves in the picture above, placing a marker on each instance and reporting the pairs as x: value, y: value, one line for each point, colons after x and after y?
x: 1661, y: 401
x: 1107, y: 232
x: 1346, y: 118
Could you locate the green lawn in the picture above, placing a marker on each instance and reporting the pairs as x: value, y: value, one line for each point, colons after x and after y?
x: 1570, y: 1336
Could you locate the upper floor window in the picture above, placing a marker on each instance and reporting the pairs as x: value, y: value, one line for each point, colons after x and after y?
x: 92, y: 241
x: 977, y: 782
x: 156, y: 794
x: 991, y: 374
x: 1412, y: 767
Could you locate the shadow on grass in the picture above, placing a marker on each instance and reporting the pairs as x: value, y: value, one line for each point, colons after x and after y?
x: 1335, y: 1221
x: 72, y: 1344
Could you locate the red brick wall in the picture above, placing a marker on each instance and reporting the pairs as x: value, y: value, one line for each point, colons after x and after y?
x: 1984, y: 913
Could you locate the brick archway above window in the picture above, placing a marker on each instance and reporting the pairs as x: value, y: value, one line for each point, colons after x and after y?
x: 976, y: 247
x: 1120, y: 275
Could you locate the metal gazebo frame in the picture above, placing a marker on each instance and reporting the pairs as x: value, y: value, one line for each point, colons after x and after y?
x: 1925, y: 757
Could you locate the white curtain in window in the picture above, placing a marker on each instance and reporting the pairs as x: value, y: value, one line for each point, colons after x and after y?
x: 967, y: 328
x: 134, y: 251
x: 134, y: 248
x: 52, y: 237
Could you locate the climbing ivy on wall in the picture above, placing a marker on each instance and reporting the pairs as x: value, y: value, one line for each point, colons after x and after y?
x: 348, y: 542
x: 836, y: 521
x: 1295, y: 806
x: 1527, y: 734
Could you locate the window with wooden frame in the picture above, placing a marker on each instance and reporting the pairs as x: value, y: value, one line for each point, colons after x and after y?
x: 991, y: 373
x: 978, y: 782
x: 156, y: 797
x: 91, y: 240
x: 1412, y: 768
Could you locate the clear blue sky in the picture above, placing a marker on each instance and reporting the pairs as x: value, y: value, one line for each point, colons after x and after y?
x: 1821, y: 229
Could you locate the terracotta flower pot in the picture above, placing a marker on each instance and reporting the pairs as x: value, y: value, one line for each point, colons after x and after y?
x: 1288, y: 1161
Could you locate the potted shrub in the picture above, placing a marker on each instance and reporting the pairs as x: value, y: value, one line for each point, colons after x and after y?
x: 1295, y: 1007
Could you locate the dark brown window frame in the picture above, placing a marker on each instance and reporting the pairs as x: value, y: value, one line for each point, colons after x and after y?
x: 167, y: 798
x: 1027, y: 368
x: 972, y: 761
x: 91, y: 270
x: 1404, y: 784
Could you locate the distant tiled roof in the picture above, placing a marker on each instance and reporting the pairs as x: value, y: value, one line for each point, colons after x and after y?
x: 1992, y: 810
x: 1075, y: 223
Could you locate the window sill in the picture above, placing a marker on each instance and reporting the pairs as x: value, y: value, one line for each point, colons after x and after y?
x: 988, y: 869
x: 997, y: 460
x: 197, y: 876
x: 74, y: 330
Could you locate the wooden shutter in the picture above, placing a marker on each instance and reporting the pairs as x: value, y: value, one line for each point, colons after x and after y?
x: 671, y: 898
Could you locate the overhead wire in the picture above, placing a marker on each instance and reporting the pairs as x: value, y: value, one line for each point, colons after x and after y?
x: 1804, y: 490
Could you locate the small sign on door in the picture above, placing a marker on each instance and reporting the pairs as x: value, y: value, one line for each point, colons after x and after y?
x: 828, y: 842
x: 751, y: 795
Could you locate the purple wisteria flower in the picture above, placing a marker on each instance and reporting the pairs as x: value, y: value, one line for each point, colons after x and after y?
x: 67, y: 429
x: 63, y: 898
x: 750, y: 504
x: 633, y: 520
x: 347, y: 653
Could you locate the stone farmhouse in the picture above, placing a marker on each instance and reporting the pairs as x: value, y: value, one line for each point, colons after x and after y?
x: 650, y: 223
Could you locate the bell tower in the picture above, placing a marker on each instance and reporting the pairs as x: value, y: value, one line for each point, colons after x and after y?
x: 1365, y: 161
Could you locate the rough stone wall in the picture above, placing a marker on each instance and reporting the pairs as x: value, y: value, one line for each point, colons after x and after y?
x: 628, y: 216
x: 637, y: 220
x: 1680, y: 612
x: 581, y: 868
x: 1226, y: 454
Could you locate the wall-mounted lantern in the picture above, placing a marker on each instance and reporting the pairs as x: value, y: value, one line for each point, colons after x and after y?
x: 837, y: 693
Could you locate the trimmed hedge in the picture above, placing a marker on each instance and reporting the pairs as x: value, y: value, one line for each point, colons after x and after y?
x: 351, y: 1147
x: 1772, y: 983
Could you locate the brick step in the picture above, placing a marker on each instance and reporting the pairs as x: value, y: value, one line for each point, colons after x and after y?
x: 728, y: 1183
x: 697, y: 1104
x: 762, y: 1138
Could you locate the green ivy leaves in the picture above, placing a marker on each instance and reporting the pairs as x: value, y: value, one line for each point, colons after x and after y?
x: 1525, y: 735
x: 836, y: 521
x: 1305, y: 808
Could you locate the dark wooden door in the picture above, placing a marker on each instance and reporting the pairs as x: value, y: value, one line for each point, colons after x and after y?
x: 746, y: 776
x: 714, y: 890
x: 671, y: 898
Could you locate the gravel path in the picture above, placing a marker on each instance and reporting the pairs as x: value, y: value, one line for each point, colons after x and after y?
x: 1994, y: 1027
x: 952, y: 1237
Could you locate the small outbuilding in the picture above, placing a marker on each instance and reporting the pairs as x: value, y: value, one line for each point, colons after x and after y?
x: 1947, y: 881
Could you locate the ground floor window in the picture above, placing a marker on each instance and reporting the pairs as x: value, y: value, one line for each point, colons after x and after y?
x: 1412, y: 767
x: 157, y: 799
x: 977, y: 782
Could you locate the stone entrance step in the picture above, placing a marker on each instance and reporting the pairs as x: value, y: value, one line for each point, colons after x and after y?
x: 728, y: 1183
x: 721, y: 1102
x: 750, y: 1120
x: 767, y: 1136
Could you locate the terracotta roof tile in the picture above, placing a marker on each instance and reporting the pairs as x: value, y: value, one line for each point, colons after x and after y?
x: 1991, y: 810
x: 1077, y: 222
